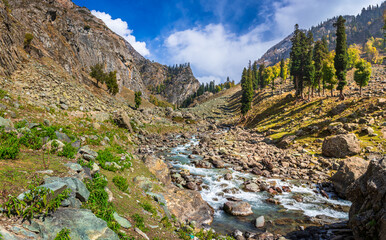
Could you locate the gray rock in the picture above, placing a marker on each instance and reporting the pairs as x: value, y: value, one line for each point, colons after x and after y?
x: 141, y: 233
x: 341, y: 145
x: 86, y: 150
x: 78, y: 189
x: 368, y: 131
x: 6, y: 123
x: 122, y: 120
x: 260, y: 222
x: 252, y: 187
x: 122, y: 221
x: 76, y: 144
x: 74, y: 166
x: 238, y: 208
x: 62, y: 137
x: 56, y: 187
x: 63, y: 106
x: 82, y: 222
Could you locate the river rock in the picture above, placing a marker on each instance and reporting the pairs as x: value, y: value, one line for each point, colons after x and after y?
x: 82, y: 222
x: 188, y: 205
x: 349, y: 170
x: 341, y: 145
x: 368, y: 196
x: 252, y: 187
x: 158, y: 167
x: 238, y: 208
x: 260, y: 222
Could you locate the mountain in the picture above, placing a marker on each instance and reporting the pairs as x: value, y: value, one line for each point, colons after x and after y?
x: 75, y: 39
x: 358, y: 29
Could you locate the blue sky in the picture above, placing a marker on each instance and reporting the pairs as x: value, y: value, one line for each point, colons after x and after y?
x: 219, y: 37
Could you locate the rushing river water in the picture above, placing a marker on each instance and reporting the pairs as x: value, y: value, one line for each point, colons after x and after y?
x: 279, y: 218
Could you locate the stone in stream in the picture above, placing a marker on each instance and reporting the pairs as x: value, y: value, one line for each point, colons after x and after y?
x: 228, y: 176
x: 349, y: 170
x: 252, y: 187
x: 238, y: 208
x: 260, y: 222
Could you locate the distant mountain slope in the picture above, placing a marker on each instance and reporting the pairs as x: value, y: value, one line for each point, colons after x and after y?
x: 77, y: 40
x: 358, y: 28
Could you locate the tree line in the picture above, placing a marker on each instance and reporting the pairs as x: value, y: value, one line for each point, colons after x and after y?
x: 109, y: 78
x: 311, y: 65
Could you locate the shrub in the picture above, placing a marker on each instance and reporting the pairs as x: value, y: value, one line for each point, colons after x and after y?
x: 28, y: 37
x: 31, y: 140
x: 98, y: 201
x: 35, y: 202
x: 105, y: 156
x: 148, y: 207
x: 139, y: 222
x: 3, y: 93
x: 121, y: 183
x: 68, y: 151
x: 64, y: 234
x: 87, y: 27
x: 9, y: 145
x: 138, y: 99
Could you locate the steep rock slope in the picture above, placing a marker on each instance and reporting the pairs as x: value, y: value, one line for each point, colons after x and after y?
x: 77, y: 40
x: 358, y: 28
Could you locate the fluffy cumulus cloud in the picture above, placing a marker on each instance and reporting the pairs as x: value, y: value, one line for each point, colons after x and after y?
x: 215, y: 53
x: 121, y: 28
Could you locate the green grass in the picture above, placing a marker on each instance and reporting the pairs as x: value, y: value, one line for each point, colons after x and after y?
x: 121, y: 183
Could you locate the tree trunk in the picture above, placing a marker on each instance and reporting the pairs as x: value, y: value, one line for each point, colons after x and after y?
x: 297, y: 86
x: 341, y: 95
x: 319, y: 90
x: 332, y: 94
x: 360, y: 91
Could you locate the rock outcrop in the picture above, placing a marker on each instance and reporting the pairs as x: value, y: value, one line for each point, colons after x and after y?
x: 76, y: 40
x: 367, y: 217
x: 341, y: 145
x: 349, y: 170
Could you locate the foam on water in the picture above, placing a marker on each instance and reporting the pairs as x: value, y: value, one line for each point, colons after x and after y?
x: 313, y: 203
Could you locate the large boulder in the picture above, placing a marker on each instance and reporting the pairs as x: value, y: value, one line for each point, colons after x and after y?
x: 158, y: 167
x: 82, y: 223
x: 286, y: 141
x: 367, y: 216
x: 188, y: 205
x: 341, y: 145
x: 6, y: 123
x: 122, y: 120
x: 349, y: 170
x: 238, y: 208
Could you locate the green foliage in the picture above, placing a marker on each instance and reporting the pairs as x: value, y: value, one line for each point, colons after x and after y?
x: 28, y: 37
x: 1, y: 237
x: 64, y: 234
x: 31, y: 140
x: 6, y: 3
x: 160, y: 103
x: 165, y: 221
x: 121, y: 183
x: 353, y: 56
x: 319, y: 54
x: 105, y: 156
x: 148, y: 207
x: 9, y: 145
x: 362, y: 74
x: 139, y: 222
x: 110, y: 78
x: 68, y: 151
x: 87, y: 27
x: 138, y: 99
x: 340, y: 60
x: 3, y: 93
x: 328, y: 73
x: 187, y: 233
x: 98, y: 201
x: 37, y: 201
x: 247, y: 88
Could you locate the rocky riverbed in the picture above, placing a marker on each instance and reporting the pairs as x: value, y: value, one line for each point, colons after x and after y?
x: 253, y: 186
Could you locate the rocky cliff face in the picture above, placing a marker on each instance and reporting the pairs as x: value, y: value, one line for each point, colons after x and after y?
x: 358, y: 29
x: 77, y: 40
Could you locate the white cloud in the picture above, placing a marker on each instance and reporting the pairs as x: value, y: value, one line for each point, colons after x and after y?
x: 121, y: 28
x: 215, y: 53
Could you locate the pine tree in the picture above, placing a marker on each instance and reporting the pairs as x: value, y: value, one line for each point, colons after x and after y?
x: 340, y: 60
x: 282, y: 65
x: 247, y: 89
x: 255, y: 76
x: 320, y: 52
x: 261, y: 76
x: 138, y: 99
x: 309, y: 68
x: 298, y: 57
x: 362, y: 74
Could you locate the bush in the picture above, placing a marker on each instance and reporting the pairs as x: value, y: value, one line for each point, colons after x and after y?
x: 98, y: 201
x: 120, y: 183
x: 148, y: 207
x: 110, y: 78
x: 9, y: 145
x: 139, y: 222
x: 138, y: 99
x: 105, y: 156
x: 28, y: 37
x: 64, y: 234
x: 68, y: 151
x: 36, y: 202
x: 31, y: 140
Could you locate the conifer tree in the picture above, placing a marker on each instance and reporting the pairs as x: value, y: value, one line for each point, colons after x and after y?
x: 362, y: 74
x: 298, y: 56
x: 320, y: 52
x: 340, y: 60
x: 247, y: 89
x: 261, y: 76
x: 309, y: 68
x: 255, y: 78
x: 282, y: 65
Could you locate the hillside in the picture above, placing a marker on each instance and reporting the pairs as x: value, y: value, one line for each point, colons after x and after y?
x: 75, y: 39
x: 358, y: 29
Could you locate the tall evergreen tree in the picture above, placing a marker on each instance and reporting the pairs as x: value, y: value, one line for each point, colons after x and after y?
x: 340, y: 60
x: 320, y: 52
x: 247, y: 89
x: 309, y: 68
x: 282, y: 65
x: 298, y: 56
x: 261, y: 75
x: 255, y: 76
